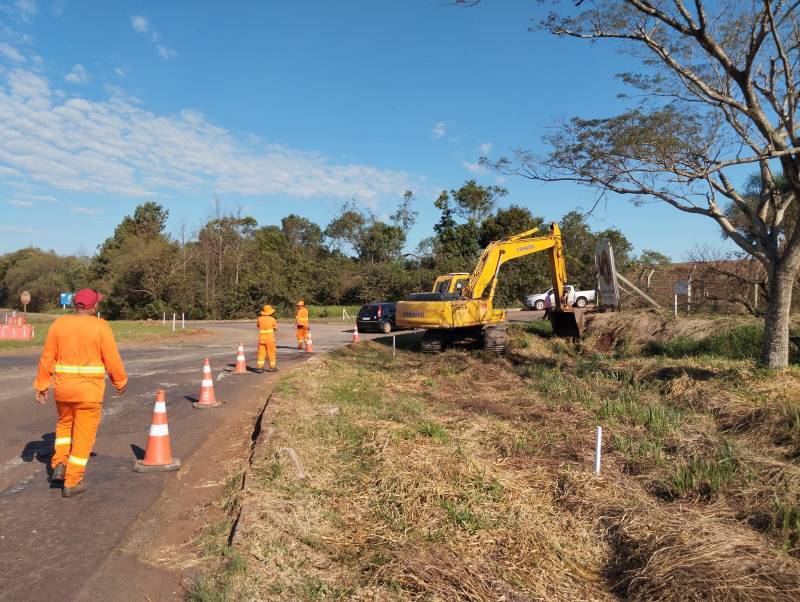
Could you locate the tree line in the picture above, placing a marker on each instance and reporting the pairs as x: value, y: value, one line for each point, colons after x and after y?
x: 232, y: 265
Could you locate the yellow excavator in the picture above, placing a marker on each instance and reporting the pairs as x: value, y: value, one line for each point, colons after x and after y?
x: 460, y: 308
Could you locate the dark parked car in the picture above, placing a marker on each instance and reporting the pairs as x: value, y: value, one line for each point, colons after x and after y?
x: 378, y: 316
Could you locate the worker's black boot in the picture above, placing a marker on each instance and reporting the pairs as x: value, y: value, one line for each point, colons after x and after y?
x: 73, y: 491
x: 58, y: 472
x: 272, y: 369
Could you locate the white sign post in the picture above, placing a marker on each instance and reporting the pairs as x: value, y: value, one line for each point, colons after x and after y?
x: 607, y: 286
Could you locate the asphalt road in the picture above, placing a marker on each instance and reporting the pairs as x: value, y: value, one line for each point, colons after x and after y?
x: 51, y: 546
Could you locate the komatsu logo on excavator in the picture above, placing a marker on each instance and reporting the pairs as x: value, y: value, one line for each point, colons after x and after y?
x: 413, y: 314
x: 525, y: 248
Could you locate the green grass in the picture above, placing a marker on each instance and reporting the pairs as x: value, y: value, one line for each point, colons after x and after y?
x: 332, y: 312
x: 739, y: 343
x: 705, y: 476
x: 627, y: 406
x: 124, y: 330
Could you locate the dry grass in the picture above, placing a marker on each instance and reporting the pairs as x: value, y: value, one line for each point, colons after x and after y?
x: 468, y: 477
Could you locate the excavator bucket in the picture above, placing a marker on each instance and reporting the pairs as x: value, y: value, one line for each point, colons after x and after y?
x: 568, y: 323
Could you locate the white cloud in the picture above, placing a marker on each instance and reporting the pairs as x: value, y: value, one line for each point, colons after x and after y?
x: 84, y: 210
x: 16, y: 229
x: 117, y: 147
x: 78, y: 75
x: 439, y: 129
x: 474, y: 167
x: 11, y: 53
x: 166, y: 53
x: 140, y: 24
x: 58, y: 7
x: 19, y: 203
x: 485, y: 148
x: 27, y: 9
x: 121, y: 71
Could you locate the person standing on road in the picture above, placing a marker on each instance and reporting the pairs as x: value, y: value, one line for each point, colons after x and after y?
x: 301, y: 324
x: 78, y: 352
x: 267, y: 325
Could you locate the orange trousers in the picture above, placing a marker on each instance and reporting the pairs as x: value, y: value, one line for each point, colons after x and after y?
x: 266, y: 349
x: 75, y: 434
x: 302, y: 335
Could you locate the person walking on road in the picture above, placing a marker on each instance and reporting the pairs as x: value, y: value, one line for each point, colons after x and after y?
x: 267, y: 325
x: 301, y: 325
x: 78, y: 352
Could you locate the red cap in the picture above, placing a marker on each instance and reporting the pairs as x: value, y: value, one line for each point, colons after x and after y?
x: 87, y: 298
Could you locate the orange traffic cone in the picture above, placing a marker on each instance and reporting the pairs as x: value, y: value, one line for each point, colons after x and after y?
x: 207, y: 398
x: 355, y: 334
x: 241, y: 362
x: 309, y: 344
x: 158, y: 455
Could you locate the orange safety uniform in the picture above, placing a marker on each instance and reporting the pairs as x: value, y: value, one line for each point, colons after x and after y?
x: 301, y: 325
x: 78, y: 352
x: 267, y: 325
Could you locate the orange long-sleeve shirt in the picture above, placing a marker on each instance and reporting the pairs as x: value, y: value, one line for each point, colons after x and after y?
x: 266, y: 327
x: 301, y: 319
x: 78, y: 352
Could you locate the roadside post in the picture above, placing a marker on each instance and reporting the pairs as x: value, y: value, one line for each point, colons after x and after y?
x: 25, y: 298
x: 183, y: 320
x: 394, y: 345
x: 173, y: 322
x: 598, y: 445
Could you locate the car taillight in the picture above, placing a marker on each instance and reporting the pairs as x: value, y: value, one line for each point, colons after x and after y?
x: 379, y: 311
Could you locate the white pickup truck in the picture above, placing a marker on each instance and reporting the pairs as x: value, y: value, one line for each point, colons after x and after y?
x: 576, y: 298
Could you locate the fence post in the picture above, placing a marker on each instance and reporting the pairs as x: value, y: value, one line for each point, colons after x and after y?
x: 183, y: 320
x: 676, y: 305
x: 164, y: 319
x: 173, y: 322
x: 394, y: 345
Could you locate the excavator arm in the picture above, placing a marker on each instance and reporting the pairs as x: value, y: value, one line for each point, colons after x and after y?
x: 483, y: 280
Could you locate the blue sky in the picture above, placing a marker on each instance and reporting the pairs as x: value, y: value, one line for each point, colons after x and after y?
x: 287, y: 107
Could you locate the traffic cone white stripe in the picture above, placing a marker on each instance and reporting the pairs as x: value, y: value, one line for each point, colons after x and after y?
x: 207, y: 382
x: 160, y: 408
x: 159, y: 430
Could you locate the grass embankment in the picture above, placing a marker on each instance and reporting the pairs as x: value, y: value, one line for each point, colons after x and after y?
x: 124, y: 331
x: 466, y: 476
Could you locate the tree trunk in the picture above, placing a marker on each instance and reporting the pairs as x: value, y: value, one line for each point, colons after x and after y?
x: 776, y: 319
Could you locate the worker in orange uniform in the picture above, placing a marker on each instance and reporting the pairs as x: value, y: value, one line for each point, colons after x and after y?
x: 78, y: 352
x: 301, y: 324
x: 267, y: 325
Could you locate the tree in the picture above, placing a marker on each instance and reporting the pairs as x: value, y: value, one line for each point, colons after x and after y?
x: 301, y: 232
x: 718, y: 90
x: 474, y: 202
x: 405, y: 216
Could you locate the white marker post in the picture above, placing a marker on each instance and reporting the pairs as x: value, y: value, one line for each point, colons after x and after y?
x: 598, y: 449
x: 183, y: 320
x: 394, y: 346
x: 173, y: 322
x: 164, y: 319
x: 676, y: 306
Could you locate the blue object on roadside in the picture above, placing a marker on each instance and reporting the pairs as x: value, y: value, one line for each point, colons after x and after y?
x: 66, y: 299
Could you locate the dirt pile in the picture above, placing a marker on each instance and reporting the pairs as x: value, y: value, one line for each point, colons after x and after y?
x: 632, y: 330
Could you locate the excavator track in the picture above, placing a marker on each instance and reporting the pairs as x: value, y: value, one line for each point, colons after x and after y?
x: 495, y: 338
x: 432, y: 341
